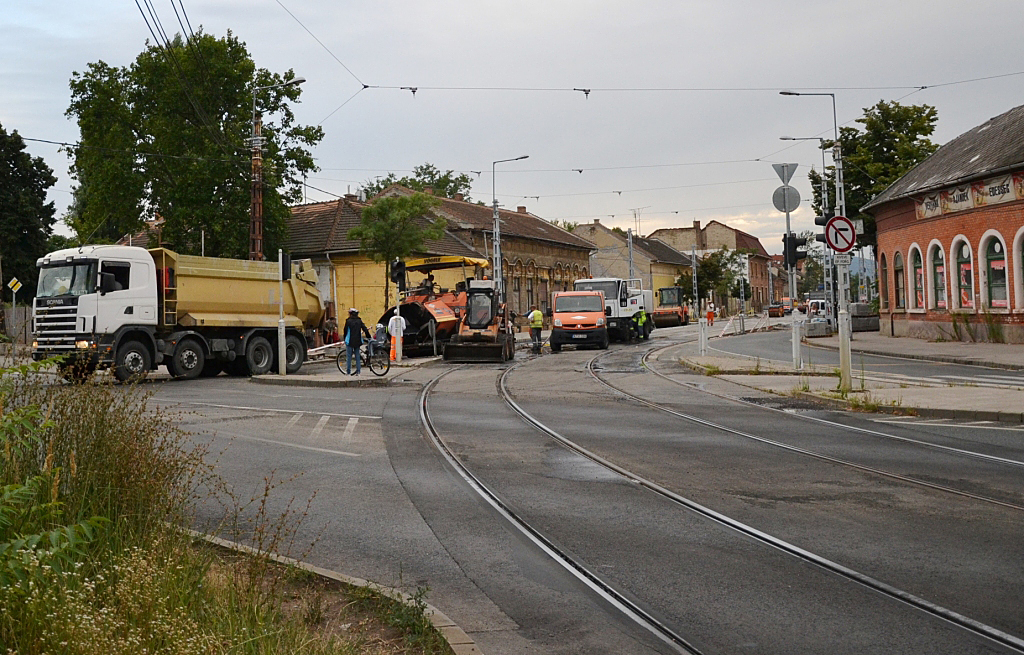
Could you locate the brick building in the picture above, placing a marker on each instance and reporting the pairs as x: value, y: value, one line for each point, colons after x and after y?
x: 951, y: 239
x: 716, y: 235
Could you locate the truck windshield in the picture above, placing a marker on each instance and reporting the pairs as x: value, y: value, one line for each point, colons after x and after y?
x: 611, y: 289
x: 579, y: 304
x: 67, y: 280
x: 669, y: 297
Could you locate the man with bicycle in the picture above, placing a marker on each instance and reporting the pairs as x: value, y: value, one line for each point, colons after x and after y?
x: 354, y: 329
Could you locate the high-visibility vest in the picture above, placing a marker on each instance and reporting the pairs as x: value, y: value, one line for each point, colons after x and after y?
x: 536, y: 319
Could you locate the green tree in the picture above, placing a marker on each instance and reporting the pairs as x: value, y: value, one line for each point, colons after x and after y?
x: 425, y: 176
x: 717, y: 273
x: 394, y: 227
x: 167, y: 136
x: 892, y: 141
x: 814, y: 264
x: 26, y: 219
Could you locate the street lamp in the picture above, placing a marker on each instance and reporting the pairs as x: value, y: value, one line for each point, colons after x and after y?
x: 256, y: 193
x: 496, y: 259
x: 845, y: 356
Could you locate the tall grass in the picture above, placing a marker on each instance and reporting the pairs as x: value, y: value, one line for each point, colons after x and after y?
x: 95, y: 488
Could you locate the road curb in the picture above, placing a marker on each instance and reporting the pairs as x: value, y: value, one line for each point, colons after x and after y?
x: 693, y: 366
x: 460, y: 642
x: 926, y: 358
x: 310, y: 381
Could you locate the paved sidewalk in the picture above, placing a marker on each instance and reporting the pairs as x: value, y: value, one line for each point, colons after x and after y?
x: 996, y: 355
x: 820, y: 384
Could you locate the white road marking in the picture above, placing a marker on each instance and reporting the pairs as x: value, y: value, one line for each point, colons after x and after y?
x: 319, y: 427
x: 955, y: 425
x: 264, y: 409
x: 292, y: 421
x: 287, y: 444
x: 350, y: 427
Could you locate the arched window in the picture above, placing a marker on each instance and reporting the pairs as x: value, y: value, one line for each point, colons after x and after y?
x: 938, y: 277
x: 899, y: 282
x: 995, y: 257
x: 883, y: 283
x: 917, y: 272
x: 965, y: 275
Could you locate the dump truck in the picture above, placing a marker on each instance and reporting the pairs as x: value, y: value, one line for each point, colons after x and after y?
x: 485, y: 327
x: 130, y: 309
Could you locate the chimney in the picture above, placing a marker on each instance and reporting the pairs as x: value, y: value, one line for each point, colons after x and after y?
x: 429, y: 191
x: 521, y: 209
x: 597, y: 221
x: 458, y: 196
x: 351, y: 196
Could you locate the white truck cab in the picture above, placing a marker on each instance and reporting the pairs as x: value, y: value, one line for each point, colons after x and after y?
x: 628, y: 305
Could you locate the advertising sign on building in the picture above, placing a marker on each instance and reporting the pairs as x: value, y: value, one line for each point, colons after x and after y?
x: 993, y: 191
x: 955, y: 200
x: 983, y: 193
x: 930, y: 206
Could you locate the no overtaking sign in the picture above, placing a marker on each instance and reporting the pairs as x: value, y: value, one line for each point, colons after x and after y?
x: 840, y: 234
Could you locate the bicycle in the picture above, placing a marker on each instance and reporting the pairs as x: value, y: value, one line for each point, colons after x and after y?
x: 374, y: 357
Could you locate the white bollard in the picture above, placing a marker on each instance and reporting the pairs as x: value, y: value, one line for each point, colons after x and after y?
x: 703, y: 336
x: 845, y: 356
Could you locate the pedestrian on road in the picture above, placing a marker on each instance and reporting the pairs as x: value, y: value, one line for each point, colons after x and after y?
x: 536, y: 319
x: 711, y: 313
x: 354, y: 330
x: 396, y: 328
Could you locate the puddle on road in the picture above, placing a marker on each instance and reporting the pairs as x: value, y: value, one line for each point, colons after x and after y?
x: 565, y: 465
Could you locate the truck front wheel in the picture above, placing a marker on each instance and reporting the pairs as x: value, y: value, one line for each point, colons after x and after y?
x: 188, y: 360
x: 259, y: 355
x: 132, y: 363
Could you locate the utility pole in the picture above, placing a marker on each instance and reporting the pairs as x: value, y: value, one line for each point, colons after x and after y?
x: 629, y: 245
x: 499, y: 281
x: 256, y: 191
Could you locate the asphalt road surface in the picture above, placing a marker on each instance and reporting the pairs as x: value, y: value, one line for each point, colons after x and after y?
x: 387, y: 506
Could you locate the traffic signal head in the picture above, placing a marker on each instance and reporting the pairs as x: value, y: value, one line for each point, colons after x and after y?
x: 398, y: 273
x: 821, y: 220
x: 792, y: 255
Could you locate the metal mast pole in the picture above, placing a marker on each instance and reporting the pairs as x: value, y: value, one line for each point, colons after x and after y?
x: 499, y: 281
x: 256, y: 193
x: 629, y: 245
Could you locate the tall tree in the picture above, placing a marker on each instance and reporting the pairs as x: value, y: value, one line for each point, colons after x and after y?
x: 167, y: 136
x: 26, y: 219
x: 717, y: 273
x: 425, y: 176
x: 394, y: 227
x: 893, y: 140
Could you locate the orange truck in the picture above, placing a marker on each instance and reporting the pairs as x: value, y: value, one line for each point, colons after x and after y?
x: 577, y: 318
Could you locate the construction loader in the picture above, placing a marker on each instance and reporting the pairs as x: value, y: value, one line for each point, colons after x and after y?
x: 485, y: 327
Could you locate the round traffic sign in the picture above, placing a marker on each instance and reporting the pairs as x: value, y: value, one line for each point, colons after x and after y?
x: 786, y: 198
x: 840, y: 235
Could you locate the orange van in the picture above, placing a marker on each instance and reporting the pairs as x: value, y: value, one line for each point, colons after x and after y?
x: 577, y: 318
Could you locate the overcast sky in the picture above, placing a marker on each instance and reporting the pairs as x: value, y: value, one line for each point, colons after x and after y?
x: 656, y: 147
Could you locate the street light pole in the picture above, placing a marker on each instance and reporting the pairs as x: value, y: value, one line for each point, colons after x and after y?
x: 843, y: 270
x: 499, y: 281
x: 256, y: 192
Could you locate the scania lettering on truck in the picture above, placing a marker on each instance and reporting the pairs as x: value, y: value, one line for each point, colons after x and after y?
x: 131, y: 310
x: 577, y: 319
x: 627, y: 306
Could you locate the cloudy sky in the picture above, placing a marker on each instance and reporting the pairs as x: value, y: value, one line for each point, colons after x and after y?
x: 682, y: 122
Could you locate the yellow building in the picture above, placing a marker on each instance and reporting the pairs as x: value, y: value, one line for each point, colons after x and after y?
x: 656, y: 263
x: 348, y: 278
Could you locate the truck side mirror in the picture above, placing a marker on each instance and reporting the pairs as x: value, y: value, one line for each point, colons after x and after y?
x: 107, y: 283
x: 551, y: 312
x: 622, y: 302
x: 607, y: 311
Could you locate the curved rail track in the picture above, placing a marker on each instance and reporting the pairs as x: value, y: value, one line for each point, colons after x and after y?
x: 883, y: 588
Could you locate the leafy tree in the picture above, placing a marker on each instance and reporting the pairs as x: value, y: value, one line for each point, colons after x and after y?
x: 167, y: 136
x: 26, y: 219
x: 568, y: 226
x: 717, y: 273
x: 426, y: 176
x: 394, y: 227
x: 893, y: 140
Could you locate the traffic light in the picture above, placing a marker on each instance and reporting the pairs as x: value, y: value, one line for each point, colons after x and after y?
x: 822, y: 221
x: 398, y: 273
x: 790, y: 244
x: 286, y: 266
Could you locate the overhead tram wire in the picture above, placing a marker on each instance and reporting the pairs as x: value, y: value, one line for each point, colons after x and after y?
x: 66, y: 144
x: 308, y: 31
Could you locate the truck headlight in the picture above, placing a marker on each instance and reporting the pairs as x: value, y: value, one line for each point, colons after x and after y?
x: 82, y: 345
x: 600, y: 322
x: 35, y: 345
x: 558, y: 322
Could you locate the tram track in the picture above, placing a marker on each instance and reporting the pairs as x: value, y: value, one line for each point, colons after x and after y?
x: 889, y: 591
x: 573, y: 566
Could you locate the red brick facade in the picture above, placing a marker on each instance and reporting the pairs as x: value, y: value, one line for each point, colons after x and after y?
x: 955, y: 276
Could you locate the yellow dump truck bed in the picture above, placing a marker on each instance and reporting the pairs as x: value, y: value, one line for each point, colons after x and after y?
x: 217, y: 292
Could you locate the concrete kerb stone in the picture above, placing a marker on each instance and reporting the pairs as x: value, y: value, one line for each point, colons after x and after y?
x: 967, y: 361
x: 460, y: 642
